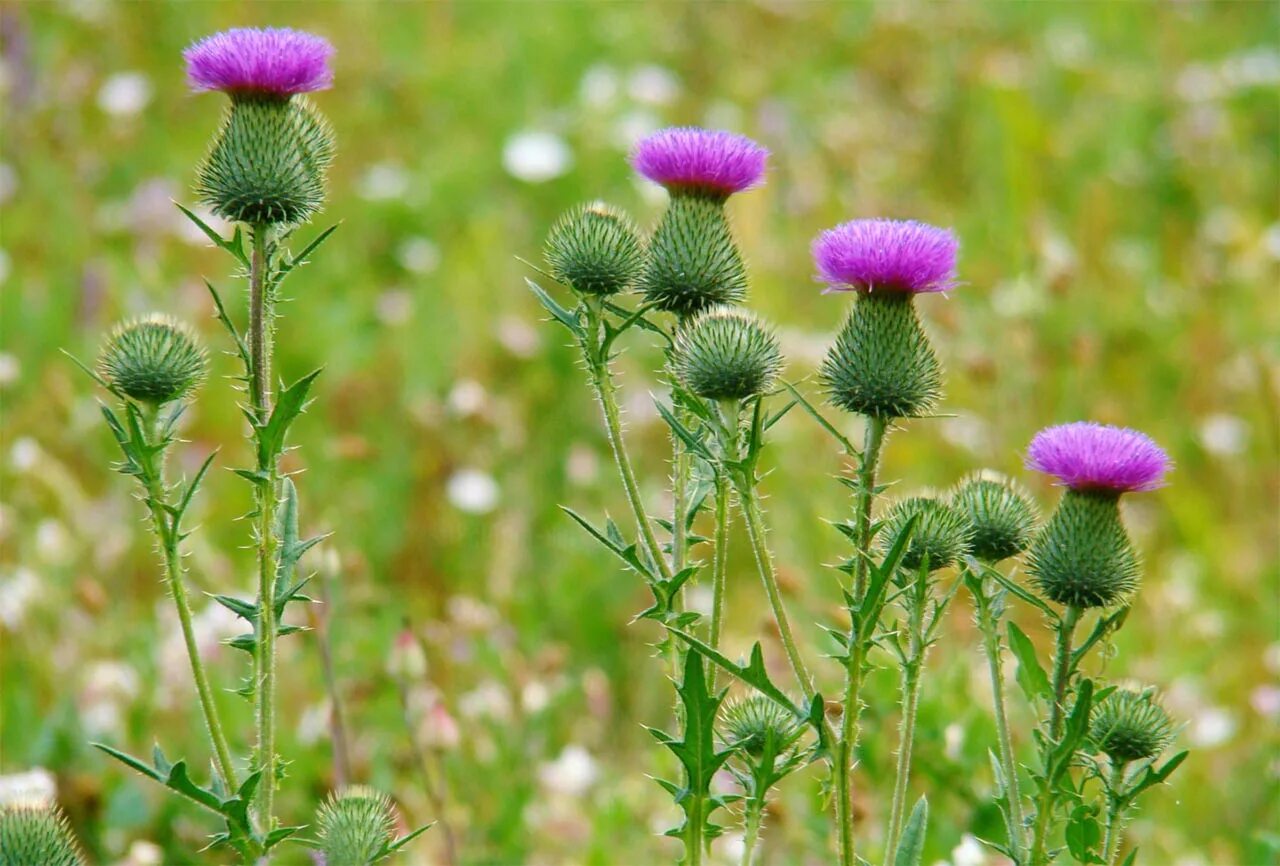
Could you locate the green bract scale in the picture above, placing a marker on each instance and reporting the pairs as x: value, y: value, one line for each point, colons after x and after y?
x: 153, y: 360
x: 749, y: 723
x: 940, y: 537
x: 355, y: 826
x: 882, y: 364
x: 1130, y: 726
x: 268, y: 162
x: 596, y: 249
x: 693, y: 261
x: 36, y: 835
x: 726, y: 354
x: 1083, y: 557
x: 1001, y: 514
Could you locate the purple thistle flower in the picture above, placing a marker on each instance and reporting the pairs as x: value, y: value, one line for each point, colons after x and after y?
x: 1089, y: 456
x: 689, y: 159
x: 273, y: 61
x: 886, y: 255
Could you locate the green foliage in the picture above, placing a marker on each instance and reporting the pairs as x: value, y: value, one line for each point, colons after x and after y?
x: 726, y: 354
x: 596, y: 249
x: 155, y: 360
x: 882, y: 363
x: 1001, y: 514
x: 1083, y: 556
x: 268, y: 162
x: 1130, y: 726
x: 693, y: 261
x: 36, y: 835
x: 910, y: 845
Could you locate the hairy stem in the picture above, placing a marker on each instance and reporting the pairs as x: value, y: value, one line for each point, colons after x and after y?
x: 906, y: 739
x: 989, y: 625
x: 1061, y: 680
x: 1115, y: 814
x: 751, y: 830
x: 720, y: 567
x: 875, y: 431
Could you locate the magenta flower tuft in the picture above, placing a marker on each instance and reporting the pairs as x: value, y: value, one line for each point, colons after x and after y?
x: 248, y: 60
x: 690, y: 159
x: 886, y: 255
x: 1089, y: 456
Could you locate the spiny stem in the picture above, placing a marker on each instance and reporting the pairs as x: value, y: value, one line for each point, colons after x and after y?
x: 989, y: 625
x: 1115, y: 810
x: 693, y: 834
x: 752, y: 831
x: 1061, y: 680
x: 720, y: 567
x: 875, y: 431
x: 906, y: 739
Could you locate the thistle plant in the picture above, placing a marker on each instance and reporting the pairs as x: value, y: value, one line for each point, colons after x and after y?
x: 264, y: 172
x: 909, y: 557
x: 37, y: 834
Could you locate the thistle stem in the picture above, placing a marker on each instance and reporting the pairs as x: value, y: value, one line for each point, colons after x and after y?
x: 751, y: 835
x: 720, y: 567
x: 1115, y: 809
x: 1061, y: 679
x: 989, y: 625
x: 911, y: 675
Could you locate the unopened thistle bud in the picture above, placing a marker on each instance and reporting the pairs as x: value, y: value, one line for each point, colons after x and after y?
x: 36, y: 835
x: 693, y: 260
x: 940, y: 536
x: 268, y: 161
x: 1001, y: 514
x: 726, y: 354
x: 596, y: 249
x: 154, y: 360
x: 1130, y: 726
x: 750, y: 723
x: 1083, y: 556
x: 355, y: 826
x: 882, y: 363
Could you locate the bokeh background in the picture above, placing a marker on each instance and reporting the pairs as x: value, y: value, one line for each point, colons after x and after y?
x: 1110, y: 167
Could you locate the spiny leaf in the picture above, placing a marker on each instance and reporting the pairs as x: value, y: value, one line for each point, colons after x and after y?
x: 559, y: 313
x: 289, y: 406
x: 1031, y: 677
x: 911, y: 842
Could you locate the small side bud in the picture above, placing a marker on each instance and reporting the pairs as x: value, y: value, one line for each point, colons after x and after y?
x: 355, y: 826
x: 595, y: 248
x: 1002, y: 515
x: 748, y: 724
x: 693, y: 261
x: 268, y: 162
x: 1130, y: 726
x: 37, y: 835
x: 940, y: 537
x: 726, y: 354
x: 1083, y: 557
x: 882, y: 364
x: 154, y: 360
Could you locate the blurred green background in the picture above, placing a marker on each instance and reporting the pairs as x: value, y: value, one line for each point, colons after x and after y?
x: 1111, y: 169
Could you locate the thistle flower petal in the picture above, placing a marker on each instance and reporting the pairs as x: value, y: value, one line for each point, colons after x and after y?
x: 693, y: 160
x: 1089, y: 456
x: 267, y: 61
x: 886, y: 255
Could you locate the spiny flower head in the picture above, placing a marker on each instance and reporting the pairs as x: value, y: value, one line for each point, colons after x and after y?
x: 1130, y: 726
x: 155, y: 359
x: 878, y: 255
x: 940, y: 536
x: 1001, y: 514
x: 596, y: 249
x: 727, y: 354
x: 355, y: 826
x: 750, y: 722
x: 270, y: 61
x: 700, y: 161
x: 1083, y: 557
x: 1088, y: 456
x: 36, y: 834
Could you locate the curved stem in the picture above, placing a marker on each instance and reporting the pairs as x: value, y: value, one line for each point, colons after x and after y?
x: 1061, y: 680
x: 1115, y: 810
x: 720, y: 567
x: 989, y: 626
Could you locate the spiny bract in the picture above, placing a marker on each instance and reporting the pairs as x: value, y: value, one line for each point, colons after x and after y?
x: 940, y: 535
x: 155, y: 360
x: 726, y: 354
x: 693, y: 261
x: 1083, y: 557
x: 36, y: 835
x: 1130, y: 726
x: 750, y: 723
x: 596, y: 249
x: 882, y: 364
x: 1002, y: 515
x: 268, y: 162
x: 355, y: 826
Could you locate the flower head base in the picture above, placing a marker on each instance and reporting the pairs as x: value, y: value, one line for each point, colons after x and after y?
x: 881, y: 255
x: 1083, y: 557
x: 693, y: 261
x: 355, y: 826
x: 1001, y: 514
x: 751, y: 723
x: 727, y: 354
x: 34, y: 834
x: 596, y: 249
x: 940, y: 536
x: 154, y: 360
x: 1089, y: 456
x: 271, y: 62
x: 1130, y: 726
x: 692, y: 161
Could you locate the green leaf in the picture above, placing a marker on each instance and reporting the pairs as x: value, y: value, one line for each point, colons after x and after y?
x: 1104, y: 626
x: 691, y: 441
x: 911, y: 842
x: 1083, y: 835
x: 822, y: 421
x: 242, y: 349
x: 289, y: 405
x: 233, y: 246
x: 289, y: 263
x: 395, y: 846
x: 1031, y: 676
x: 559, y: 313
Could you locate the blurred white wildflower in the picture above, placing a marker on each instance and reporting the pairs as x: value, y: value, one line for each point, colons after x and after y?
x: 653, y: 85
x: 1271, y: 658
x: 383, y: 181
x: 583, y: 465
x: 124, y: 94
x: 53, y: 541
x: 699, y: 599
x: 599, y: 86
x: 191, y: 233
x: 1265, y: 700
x: 16, y: 594
x: 36, y: 785
x: 536, y: 156
x: 407, y: 661
x: 518, y: 337
x: 572, y: 773
x: 107, y: 687
x: 313, y: 724
x: 418, y: 254
x: 8, y: 182
x: 1271, y: 240
x: 487, y: 700
x: 966, y: 431
x: 394, y: 307
x: 968, y: 853
x: 1222, y: 434
x: 629, y: 129
x: 143, y: 853
x: 467, y: 398
x: 1017, y: 297
x: 473, y: 491
x: 535, y: 696
x: 436, y: 727
x: 1068, y: 44
x: 953, y: 737
x: 4, y: 267
x: 1212, y: 726
x: 471, y: 614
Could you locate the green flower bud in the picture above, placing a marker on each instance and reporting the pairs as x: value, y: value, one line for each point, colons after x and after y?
x: 268, y: 162
x: 36, y: 835
x: 155, y: 360
x: 1130, y: 726
x: 596, y: 249
x: 941, y: 534
x: 693, y: 261
x: 749, y: 723
x: 726, y: 354
x: 1083, y: 557
x: 355, y: 826
x: 882, y: 364
x: 1002, y: 515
